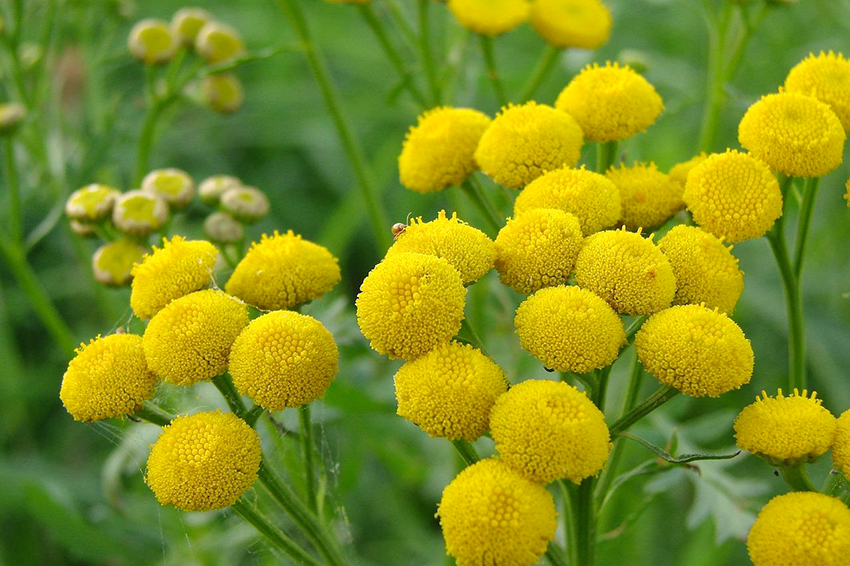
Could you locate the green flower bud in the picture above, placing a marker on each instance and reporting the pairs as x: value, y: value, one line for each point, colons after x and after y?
x: 139, y: 213
x: 174, y: 185
x: 223, y: 228
x: 247, y: 204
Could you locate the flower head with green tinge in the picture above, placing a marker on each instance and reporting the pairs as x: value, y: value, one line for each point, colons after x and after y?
x: 218, y: 43
x: 187, y: 22
x: 139, y: 214
x: 173, y: 185
x: 91, y: 203
x: 247, y: 204
x: 211, y: 188
x: 223, y: 228
x: 648, y: 196
x: 113, y: 262
x: 152, y: 42
x: 222, y: 92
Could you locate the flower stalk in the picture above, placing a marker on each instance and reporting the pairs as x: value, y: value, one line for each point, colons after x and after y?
x: 274, y: 535
x: 541, y: 70
x: 661, y: 396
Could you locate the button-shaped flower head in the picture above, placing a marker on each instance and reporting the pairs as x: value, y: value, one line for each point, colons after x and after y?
x: 211, y: 188
x: 223, y: 228
x: 572, y: 23
x: 827, y: 78
x: 841, y: 444
x: 91, y: 203
x: 218, y: 43
x: 173, y: 185
x: 490, y: 17
x: 151, y: 42
x: 222, y: 92
x: 680, y: 171
x: 187, y: 22
x: 648, y: 196
x: 138, y: 213
x: 112, y: 263
x: 247, y: 204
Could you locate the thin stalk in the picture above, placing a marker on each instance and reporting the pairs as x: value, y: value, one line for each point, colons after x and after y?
x: 474, y: 193
x: 492, y: 70
x: 146, y: 139
x: 12, y: 180
x: 307, y: 450
x: 425, y: 51
x: 153, y: 414
x: 541, y: 70
x: 714, y: 95
x: 253, y: 415
x: 795, y: 476
x: 466, y: 450
x: 602, y: 387
x: 402, y: 24
x: 606, y: 155
x: 570, y: 534
x: 225, y: 386
x: 555, y: 555
x: 274, y: 535
x: 832, y: 482
x: 661, y: 396
x: 586, y: 523
x: 804, y: 223
x: 634, y: 327
x: 466, y: 326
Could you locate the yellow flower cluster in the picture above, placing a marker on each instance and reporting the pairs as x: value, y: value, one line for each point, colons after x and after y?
x: 648, y: 196
x: 825, y: 77
x: 680, y: 171
x: 572, y: 23
x: 841, y: 444
x: 490, y: 17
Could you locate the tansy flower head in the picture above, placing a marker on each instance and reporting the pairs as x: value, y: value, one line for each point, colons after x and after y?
x: 841, y: 444
x: 92, y: 203
x: 680, y: 171
x: 204, y: 462
x: 648, y: 196
x: 223, y: 228
x: 467, y: 249
x: 706, y: 271
x: 801, y: 528
x: 629, y: 272
x: 107, y: 378
x: 440, y: 150
x: 525, y: 141
x: 572, y: 23
x: 569, y: 329
x: 173, y: 185
x: 187, y: 22
x: 283, y: 271
x: 734, y: 196
x: 222, y: 92
x: 284, y: 359
x: 12, y: 115
x: 490, y: 17
x: 827, y: 78
x: 410, y: 303
x: 592, y: 198
x: 211, y: 188
x: 151, y: 42
x: 138, y: 213
x: 786, y: 430
x: 794, y: 134
x: 190, y: 339
x: 549, y: 430
x: 610, y: 103
x: 218, y: 43
x: 247, y: 204
x: 490, y: 514
x: 449, y: 391
x: 113, y: 262
x: 178, y: 268
x: 699, y: 351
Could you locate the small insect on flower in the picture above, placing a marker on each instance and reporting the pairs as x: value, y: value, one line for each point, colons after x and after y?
x: 648, y: 196
x: 173, y: 185
x: 113, y: 262
x: 92, y: 203
x: 151, y: 42
x: 218, y: 43
x: 398, y: 229
x: 825, y: 76
x: 187, y: 23
x: 572, y: 23
x: 490, y: 17
x: 211, y: 188
x: 138, y: 213
x: 841, y: 444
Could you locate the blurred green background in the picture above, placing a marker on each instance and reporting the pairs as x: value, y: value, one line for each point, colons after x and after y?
x: 71, y: 493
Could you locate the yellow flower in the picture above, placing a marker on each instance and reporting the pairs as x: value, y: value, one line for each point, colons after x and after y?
x: 841, y: 444
x: 138, y: 213
x: 610, y: 103
x: 284, y: 359
x: 449, y: 391
x: 173, y: 185
x: 490, y: 17
x: 247, y: 204
x: 113, y: 262
x: 786, y: 430
x: 187, y: 22
x: 409, y: 304
x: 538, y: 249
x: 699, y: 351
x: 549, y: 430
x: 218, y: 43
x: 706, y: 271
x: 211, y: 188
x: 801, y: 528
x: 629, y: 272
x: 204, y: 462
x: 733, y: 196
x: 648, y: 196
x: 572, y: 23
x: 190, y: 339
x: 92, y: 203
x: 178, y: 268
x: 107, y: 378
x: 827, y: 78
x: 440, y: 150
x: 492, y: 515
x: 283, y: 271
x: 525, y: 141
x: 569, y: 329
x: 680, y: 171
x: 223, y: 228
x: 222, y: 92
x: 151, y: 42
x: 794, y: 134
x: 589, y: 196
x: 466, y: 248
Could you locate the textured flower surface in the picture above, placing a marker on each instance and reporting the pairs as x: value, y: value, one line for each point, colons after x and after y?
x: 173, y: 185
x: 204, y: 462
x: 825, y: 76
x: 549, y: 430
x: 699, y: 351
x: 283, y: 271
x: 107, y: 378
x: 490, y: 17
x: 248, y: 204
x: 211, y: 188
x: 801, y: 528
x: 91, y: 203
x: 794, y: 134
x: 680, y: 171
x: 572, y: 23
x: 610, y: 103
x: 525, y: 141
x: 410, y: 303
x: 113, y: 262
x: 733, y: 196
x: 648, y: 196
x: 439, y: 151
x: 138, y: 213
x: 490, y: 514
x: 190, y: 339
x: 450, y: 391
x: 569, y: 329
x: 841, y: 444
x: 590, y: 197
x: 284, y: 359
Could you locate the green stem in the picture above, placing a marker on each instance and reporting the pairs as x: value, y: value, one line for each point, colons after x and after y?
x: 541, y: 70
x: 606, y: 155
x: 492, y: 70
x: 804, y: 223
x: 153, y: 414
x: 15, y: 220
x: 466, y: 450
x: 586, y: 523
x: 307, y: 451
x: 425, y: 51
x: 274, y: 535
x: 556, y: 555
x: 714, y: 95
x: 602, y: 387
x: 402, y: 24
x: 661, y: 396
x: 474, y: 194
x: 225, y: 386
x: 795, y: 476
x: 568, y: 496
x: 146, y: 139
x: 634, y: 327
x: 831, y: 483
x: 253, y: 415
x: 467, y: 327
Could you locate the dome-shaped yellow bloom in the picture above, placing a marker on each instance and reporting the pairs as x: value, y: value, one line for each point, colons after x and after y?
x: 648, y: 196
x: 490, y: 17
x: 629, y: 272
x: 538, y: 249
x: 801, y: 528
x: 91, y: 203
x: 550, y: 430
x: 190, y: 339
x: 734, y: 196
x: 178, y: 268
x: 112, y: 263
x: 827, y: 78
x: 284, y: 359
x: 794, y: 134
x: 610, y: 103
x: 450, y: 391
x: 490, y: 514
x: 841, y: 444
x: 569, y: 329
x: 439, y: 151
x: 525, y: 141
x: 680, y: 171
x: 466, y: 248
x: 204, y: 462
x: 107, y: 378
x: 589, y: 196
x: 786, y: 429
x: 699, y: 351
x: 706, y: 271
x: 283, y: 271
x: 410, y: 303
x: 572, y: 23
